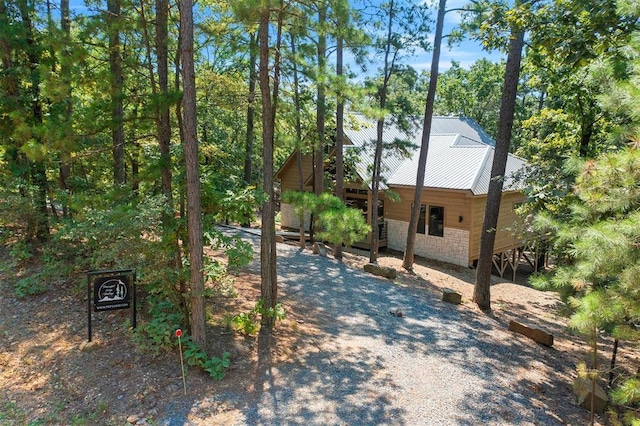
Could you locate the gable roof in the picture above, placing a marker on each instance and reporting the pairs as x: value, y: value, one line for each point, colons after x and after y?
x: 460, y: 154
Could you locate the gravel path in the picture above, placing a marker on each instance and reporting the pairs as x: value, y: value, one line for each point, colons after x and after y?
x: 438, y: 364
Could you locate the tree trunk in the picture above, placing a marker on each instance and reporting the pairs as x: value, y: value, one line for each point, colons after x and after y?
x: 37, y: 166
x: 389, y: 60
x: 117, y: 110
x: 194, y: 217
x: 614, y: 354
x: 408, y: 259
x: 337, y: 250
x: 318, y: 150
x: 586, y: 132
x: 164, y: 142
x: 481, y: 293
x: 318, y: 158
x: 64, y: 171
x: 248, y: 155
x: 268, y: 273
x: 164, y: 123
x: 375, y: 185
x: 135, y: 170
x: 296, y: 102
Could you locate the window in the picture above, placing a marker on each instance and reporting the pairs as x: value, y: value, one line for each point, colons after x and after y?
x: 380, y: 209
x: 360, y: 204
x: 421, y: 219
x: 436, y: 221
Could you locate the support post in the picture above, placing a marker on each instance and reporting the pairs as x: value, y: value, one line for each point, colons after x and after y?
x: 89, y: 307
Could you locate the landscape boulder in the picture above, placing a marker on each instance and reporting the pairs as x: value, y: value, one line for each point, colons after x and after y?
x: 319, y: 248
x: 582, y: 387
x: 381, y: 271
x: 451, y: 296
x: 88, y: 346
x: 535, y: 334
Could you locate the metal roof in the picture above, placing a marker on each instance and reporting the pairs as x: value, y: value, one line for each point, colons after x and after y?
x: 460, y: 154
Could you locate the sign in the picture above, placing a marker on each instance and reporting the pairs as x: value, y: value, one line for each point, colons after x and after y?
x: 111, y: 293
x: 111, y: 290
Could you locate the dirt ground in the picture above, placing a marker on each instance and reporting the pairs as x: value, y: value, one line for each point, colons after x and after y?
x: 45, y: 377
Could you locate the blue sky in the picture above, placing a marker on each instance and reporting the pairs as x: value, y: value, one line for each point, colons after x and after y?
x: 466, y: 52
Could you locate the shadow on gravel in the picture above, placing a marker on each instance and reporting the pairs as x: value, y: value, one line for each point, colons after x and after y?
x: 436, y: 363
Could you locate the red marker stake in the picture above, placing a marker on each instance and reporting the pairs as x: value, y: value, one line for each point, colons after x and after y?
x: 184, y: 382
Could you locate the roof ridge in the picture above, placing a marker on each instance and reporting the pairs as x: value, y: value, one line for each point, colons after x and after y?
x: 480, y: 169
x: 476, y: 143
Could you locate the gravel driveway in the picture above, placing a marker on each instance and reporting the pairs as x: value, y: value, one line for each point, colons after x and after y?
x: 438, y: 364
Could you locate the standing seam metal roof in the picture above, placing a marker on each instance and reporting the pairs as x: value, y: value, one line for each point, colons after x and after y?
x: 460, y: 154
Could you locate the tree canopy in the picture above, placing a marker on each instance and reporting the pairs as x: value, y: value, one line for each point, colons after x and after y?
x: 111, y: 145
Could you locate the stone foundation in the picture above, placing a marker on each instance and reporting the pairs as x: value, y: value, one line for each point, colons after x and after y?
x: 452, y: 248
x: 289, y: 219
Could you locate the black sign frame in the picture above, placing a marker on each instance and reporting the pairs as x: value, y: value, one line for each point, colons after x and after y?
x: 110, y: 290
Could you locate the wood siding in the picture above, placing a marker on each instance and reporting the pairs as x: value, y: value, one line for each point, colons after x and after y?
x: 462, y: 210
x: 456, y: 204
x: 288, y: 173
x: 506, y: 219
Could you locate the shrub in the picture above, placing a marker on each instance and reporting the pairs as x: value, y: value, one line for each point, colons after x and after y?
x: 195, y: 356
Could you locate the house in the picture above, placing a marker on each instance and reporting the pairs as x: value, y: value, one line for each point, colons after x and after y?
x: 454, y: 196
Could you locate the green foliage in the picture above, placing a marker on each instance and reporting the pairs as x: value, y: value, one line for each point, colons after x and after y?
x: 10, y: 413
x: 240, y: 206
x: 31, y: 285
x: 248, y: 323
x: 628, y: 393
x: 157, y: 333
x: 278, y: 312
x: 342, y: 226
x: 114, y: 234
x: 338, y: 223
x: 20, y: 251
x: 302, y: 202
x: 36, y: 268
x: 238, y: 252
x: 236, y: 205
x: 217, y: 367
x: 18, y: 211
x: 216, y: 272
x: 473, y: 92
x: 551, y: 139
x: 601, y: 238
x: 196, y: 357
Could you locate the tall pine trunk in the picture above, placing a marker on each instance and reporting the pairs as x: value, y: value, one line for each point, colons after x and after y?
x: 248, y: 154
x: 337, y: 250
x: 375, y: 191
x: 318, y: 151
x: 481, y: 292
x: 318, y: 166
x: 389, y: 60
x: 296, y: 102
x: 117, y: 109
x: 194, y: 217
x: 268, y: 273
x: 409, y: 251
x: 38, y: 170
x: 64, y: 171
x: 164, y: 126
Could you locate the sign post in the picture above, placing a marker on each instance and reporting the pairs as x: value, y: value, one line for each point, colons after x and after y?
x: 111, y: 290
x: 184, y: 382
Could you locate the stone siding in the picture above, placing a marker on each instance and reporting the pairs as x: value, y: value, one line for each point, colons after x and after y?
x: 452, y: 248
x: 289, y: 219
